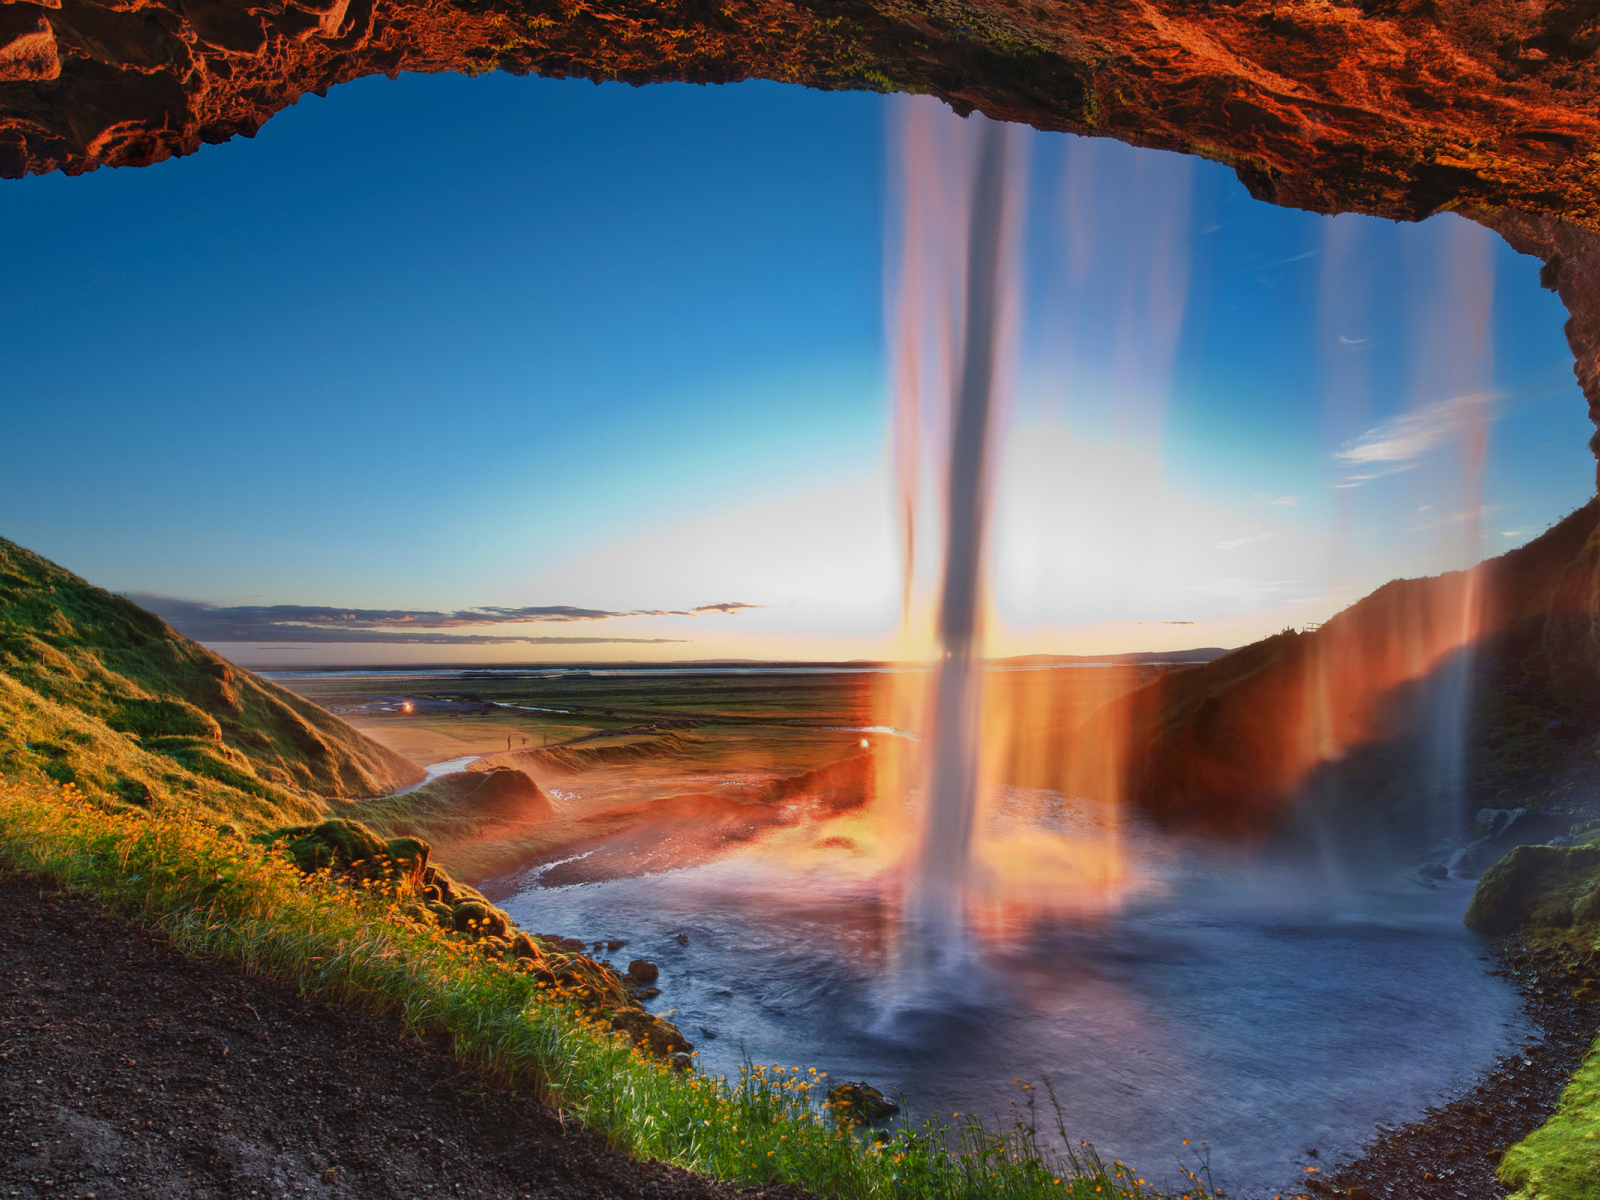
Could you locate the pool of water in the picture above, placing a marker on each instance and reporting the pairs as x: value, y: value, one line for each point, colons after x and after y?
x: 1263, y: 1005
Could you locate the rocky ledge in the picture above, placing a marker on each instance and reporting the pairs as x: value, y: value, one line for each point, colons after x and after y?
x: 1394, y: 107
x: 349, y: 852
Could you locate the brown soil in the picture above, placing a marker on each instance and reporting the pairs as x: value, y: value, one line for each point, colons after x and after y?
x: 1452, y: 1153
x: 127, y: 1069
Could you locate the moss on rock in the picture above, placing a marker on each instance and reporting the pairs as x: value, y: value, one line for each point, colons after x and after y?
x: 1543, y: 891
x: 661, y: 1038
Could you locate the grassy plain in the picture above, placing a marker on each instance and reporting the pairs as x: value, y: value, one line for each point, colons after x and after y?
x: 646, y: 769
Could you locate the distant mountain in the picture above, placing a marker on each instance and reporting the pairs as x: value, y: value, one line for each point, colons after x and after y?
x: 1229, y: 744
x: 1204, y: 654
x: 95, y: 690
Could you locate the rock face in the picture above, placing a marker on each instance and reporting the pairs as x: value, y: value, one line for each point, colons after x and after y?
x: 1392, y: 107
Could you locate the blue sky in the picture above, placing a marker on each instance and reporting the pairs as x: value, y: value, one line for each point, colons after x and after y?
x: 442, y: 343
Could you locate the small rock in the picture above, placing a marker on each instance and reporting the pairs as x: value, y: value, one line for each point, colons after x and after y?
x: 571, y: 945
x: 642, y: 971
x: 1360, y: 1193
x: 1433, y: 871
x: 661, y: 1038
x: 860, y: 1103
x: 613, y: 947
x: 683, y: 939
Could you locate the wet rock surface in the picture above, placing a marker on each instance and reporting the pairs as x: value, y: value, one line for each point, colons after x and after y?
x: 127, y: 1069
x: 1453, y: 1152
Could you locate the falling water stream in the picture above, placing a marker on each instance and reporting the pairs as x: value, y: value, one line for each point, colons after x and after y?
x: 936, y: 900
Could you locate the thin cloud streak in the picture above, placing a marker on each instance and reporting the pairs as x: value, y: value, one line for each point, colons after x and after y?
x: 1403, y: 441
x: 318, y: 623
x: 371, y: 637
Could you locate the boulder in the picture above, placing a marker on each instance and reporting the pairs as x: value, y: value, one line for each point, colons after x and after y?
x: 408, y: 860
x: 1538, y: 888
x: 642, y: 971
x: 478, y: 917
x: 524, y: 946
x: 572, y: 945
x: 860, y: 1103
x: 649, y: 1032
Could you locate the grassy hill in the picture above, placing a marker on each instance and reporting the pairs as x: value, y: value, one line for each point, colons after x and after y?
x: 1227, y: 744
x: 96, y: 691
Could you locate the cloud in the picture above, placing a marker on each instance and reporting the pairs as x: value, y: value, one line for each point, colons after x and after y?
x: 1286, y: 501
x: 1347, y: 341
x: 1177, y: 622
x: 1399, y: 445
x: 1511, y: 533
x: 1351, y: 481
x: 318, y: 623
x: 1278, y: 262
x: 1460, y: 518
x: 1234, y: 543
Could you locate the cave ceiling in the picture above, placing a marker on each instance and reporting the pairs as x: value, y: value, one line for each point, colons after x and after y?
x: 1395, y: 108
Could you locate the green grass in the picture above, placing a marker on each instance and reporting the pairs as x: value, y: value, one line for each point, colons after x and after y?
x: 1561, y: 1159
x: 1551, y: 895
x: 215, y: 895
x: 136, y: 681
x: 62, y: 743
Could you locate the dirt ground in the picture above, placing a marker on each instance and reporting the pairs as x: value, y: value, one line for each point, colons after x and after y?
x: 127, y: 1069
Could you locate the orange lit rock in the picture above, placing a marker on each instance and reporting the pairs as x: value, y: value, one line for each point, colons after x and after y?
x: 27, y: 44
x: 1387, y: 106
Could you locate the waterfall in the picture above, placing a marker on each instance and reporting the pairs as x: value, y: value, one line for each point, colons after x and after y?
x: 961, y: 196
